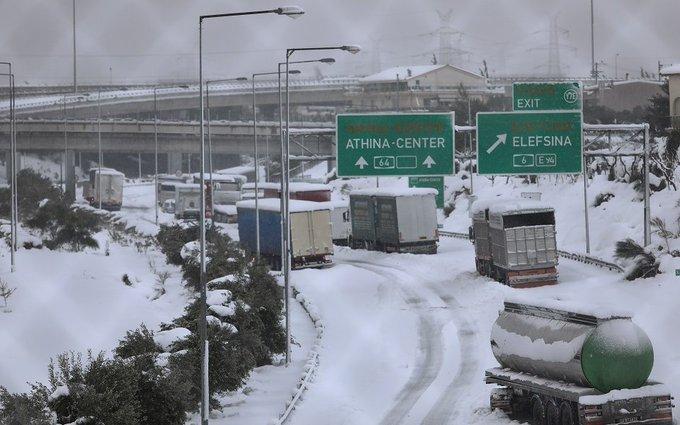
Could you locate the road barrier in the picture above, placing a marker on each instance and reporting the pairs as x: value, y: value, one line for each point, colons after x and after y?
x: 583, y: 258
x: 312, y: 362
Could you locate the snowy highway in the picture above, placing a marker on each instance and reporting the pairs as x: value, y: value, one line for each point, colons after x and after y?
x: 422, y: 356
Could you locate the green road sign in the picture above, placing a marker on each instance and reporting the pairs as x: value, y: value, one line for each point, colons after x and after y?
x: 394, y: 144
x: 435, y: 182
x: 529, y: 143
x: 547, y: 96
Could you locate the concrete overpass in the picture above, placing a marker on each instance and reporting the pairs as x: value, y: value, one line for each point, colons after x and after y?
x: 177, y: 141
x: 139, y: 101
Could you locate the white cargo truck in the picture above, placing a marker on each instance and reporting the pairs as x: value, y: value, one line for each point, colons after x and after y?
x: 340, y: 222
x: 187, y: 200
x: 105, y: 188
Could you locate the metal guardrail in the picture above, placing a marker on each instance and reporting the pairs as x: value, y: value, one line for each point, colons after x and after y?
x: 582, y: 258
x: 312, y: 362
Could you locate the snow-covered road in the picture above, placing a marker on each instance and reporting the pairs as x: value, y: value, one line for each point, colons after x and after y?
x: 407, y: 336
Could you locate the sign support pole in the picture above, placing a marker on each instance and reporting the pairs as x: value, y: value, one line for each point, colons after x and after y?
x: 585, y: 202
x: 647, y: 236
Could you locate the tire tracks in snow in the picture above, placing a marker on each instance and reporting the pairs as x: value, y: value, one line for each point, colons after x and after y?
x: 430, y: 362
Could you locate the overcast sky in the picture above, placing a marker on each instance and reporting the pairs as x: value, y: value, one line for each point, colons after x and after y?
x: 152, y: 40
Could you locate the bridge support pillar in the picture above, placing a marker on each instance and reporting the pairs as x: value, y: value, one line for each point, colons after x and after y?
x: 174, y: 162
x: 70, y: 176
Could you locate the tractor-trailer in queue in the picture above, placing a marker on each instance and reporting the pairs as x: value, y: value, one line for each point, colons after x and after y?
x: 561, y: 364
x: 106, y: 188
x: 310, y: 231
x: 394, y: 220
x: 298, y: 190
x: 341, y: 223
x: 515, y: 241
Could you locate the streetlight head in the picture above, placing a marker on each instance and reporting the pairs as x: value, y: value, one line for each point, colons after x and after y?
x: 293, y: 12
x: 241, y: 79
x: 294, y: 71
x: 329, y: 61
x: 352, y: 48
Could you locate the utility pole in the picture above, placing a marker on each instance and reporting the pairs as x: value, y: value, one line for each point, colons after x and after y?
x: 593, y: 67
x: 75, y: 81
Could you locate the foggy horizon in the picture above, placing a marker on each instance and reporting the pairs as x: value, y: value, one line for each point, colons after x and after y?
x: 130, y: 41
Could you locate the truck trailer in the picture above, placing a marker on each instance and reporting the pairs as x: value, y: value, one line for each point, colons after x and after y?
x: 187, y: 201
x: 301, y: 191
x: 394, y: 220
x: 340, y: 222
x: 564, y: 366
x: 107, y: 183
x: 310, y: 231
x: 227, y: 187
x: 515, y: 242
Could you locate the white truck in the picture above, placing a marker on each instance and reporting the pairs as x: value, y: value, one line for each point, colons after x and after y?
x: 105, y: 188
x: 187, y: 200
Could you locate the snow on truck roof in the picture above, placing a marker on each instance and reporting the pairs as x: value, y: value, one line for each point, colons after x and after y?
x: 109, y: 172
x: 503, y: 206
x: 274, y: 204
x: 221, y: 177
x: 294, y: 187
x: 397, y: 191
x: 598, y: 310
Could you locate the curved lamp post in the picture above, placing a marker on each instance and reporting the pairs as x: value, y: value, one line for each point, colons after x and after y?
x: 285, y: 193
x: 292, y: 12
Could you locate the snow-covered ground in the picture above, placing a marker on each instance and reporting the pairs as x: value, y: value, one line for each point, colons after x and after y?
x: 68, y: 301
x: 406, y: 337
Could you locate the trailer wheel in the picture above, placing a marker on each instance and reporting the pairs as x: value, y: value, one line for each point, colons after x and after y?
x: 537, y: 411
x: 567, y: 414
x: 552, y: 413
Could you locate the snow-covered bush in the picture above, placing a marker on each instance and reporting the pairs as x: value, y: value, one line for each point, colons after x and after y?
x: 601, y: 198
x: 639, y: 263
x: 64, y: 226
x: 244, y: 329
x: 171, y: 239
x: 26, y: 408
x: 34, y: 189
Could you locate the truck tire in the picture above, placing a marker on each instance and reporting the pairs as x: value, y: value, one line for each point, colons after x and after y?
x: 552, y: 413
x: 537, y: 411
x: 567, y: 414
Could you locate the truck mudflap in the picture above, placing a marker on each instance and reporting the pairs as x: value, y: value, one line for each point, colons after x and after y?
x: 634, y: 409
x: 428, y: 247
x: 312, y: 261
x: 532, y: 278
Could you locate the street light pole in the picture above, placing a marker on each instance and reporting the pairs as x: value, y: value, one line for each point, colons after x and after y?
x: 155, y: 139
x: 210, y: 160
x: 255, y: 153
x: 14, y: 210
x: 293, y: 12
x: 592, y: 40
x: 75, y: 84
x: 99, y: 144
x: 285, y: 192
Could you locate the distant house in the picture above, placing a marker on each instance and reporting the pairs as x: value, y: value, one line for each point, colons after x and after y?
x: 673, y: 74
x: 423, y: 77
x: 417, y: 87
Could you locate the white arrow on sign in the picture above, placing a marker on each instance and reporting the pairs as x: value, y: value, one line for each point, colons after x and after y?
x: 499, y: 139
x: 429, y: 162
x: 361, y: 162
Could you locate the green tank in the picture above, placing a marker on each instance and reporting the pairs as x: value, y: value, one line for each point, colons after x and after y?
x: 606, y: 351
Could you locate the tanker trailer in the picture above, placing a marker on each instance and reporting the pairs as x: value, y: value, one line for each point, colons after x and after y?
x: 566, y: 366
